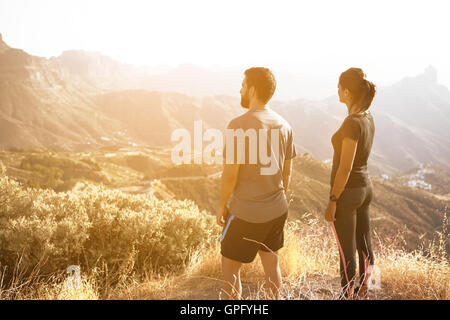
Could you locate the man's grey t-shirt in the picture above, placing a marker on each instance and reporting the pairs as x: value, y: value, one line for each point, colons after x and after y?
x: 259, y: 197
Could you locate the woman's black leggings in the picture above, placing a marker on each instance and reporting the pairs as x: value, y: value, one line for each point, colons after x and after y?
x: 353, y: 231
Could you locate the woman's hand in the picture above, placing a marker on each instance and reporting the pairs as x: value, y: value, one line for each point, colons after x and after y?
x: 330, y: 211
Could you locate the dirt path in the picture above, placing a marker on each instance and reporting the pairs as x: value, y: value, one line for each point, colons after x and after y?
x: 196, y: 287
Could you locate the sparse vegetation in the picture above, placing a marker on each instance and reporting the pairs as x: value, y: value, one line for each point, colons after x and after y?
x: 136, y: 246
x: 59, y: 173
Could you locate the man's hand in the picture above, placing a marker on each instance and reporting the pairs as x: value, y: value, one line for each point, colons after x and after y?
x: 221, y: 216
x: 330, y: 212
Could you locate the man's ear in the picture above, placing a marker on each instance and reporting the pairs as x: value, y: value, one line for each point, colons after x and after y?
x: 252, y: 91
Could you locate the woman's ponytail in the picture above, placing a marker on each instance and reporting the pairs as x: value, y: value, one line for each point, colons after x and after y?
x: 369, y: 90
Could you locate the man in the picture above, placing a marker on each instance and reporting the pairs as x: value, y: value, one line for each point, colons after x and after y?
x: 258, y: 206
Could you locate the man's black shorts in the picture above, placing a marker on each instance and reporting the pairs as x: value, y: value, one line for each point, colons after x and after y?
x: 241, y: 240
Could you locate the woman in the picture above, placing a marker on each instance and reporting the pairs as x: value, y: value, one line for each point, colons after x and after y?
x: 351, y: 188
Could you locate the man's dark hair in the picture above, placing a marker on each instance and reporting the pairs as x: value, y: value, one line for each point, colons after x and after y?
x: 264, y: 82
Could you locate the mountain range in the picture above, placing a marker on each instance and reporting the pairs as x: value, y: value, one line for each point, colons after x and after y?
x: 82, y: 100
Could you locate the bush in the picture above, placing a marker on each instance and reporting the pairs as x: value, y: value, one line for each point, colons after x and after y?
x: 97, y: 226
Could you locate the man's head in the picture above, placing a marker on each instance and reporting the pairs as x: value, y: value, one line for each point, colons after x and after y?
x: 259, y: 84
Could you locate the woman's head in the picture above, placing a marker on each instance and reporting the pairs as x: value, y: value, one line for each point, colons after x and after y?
x: 355, y: 89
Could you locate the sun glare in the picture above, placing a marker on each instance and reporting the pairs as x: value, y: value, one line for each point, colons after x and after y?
x: 390, y: 39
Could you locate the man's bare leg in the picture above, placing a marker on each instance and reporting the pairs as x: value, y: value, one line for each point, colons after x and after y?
x: 232, y: 276
x: 272, y: 272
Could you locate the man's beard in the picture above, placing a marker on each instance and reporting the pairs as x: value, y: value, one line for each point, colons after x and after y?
x: 245, y: 102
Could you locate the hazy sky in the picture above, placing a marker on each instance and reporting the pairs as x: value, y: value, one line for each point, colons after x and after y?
x: 388, y: 39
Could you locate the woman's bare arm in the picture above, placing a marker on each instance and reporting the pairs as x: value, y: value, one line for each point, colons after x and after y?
x: 348, y: 153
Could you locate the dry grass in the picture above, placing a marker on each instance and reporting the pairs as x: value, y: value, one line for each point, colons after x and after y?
x: 420, y: 274
x: 309, y: 263
x: 188, y: 240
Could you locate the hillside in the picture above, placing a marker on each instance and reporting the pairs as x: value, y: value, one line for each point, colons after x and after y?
x: 42, y: 105
x: 401, y: 202
x: 396, y: 206
x: 135, y: 246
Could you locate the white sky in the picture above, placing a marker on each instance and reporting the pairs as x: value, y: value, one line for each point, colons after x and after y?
x: 388, y: 39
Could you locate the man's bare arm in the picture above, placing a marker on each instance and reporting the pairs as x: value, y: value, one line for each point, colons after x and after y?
x: 287, y: 171
x: 229, y: 179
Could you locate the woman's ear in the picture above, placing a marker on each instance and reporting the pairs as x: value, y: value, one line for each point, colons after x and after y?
x: 347, y: 94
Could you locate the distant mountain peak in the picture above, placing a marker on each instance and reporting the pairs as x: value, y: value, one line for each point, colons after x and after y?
x: 2, y: 43
x: 430, y: 74
x: 428, y: 78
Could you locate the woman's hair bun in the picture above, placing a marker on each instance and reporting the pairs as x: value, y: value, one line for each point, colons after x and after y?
x: 363, y: 90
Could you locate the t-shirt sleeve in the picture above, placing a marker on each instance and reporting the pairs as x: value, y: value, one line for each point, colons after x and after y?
x: 290, y: 147
x: 350, y: 129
